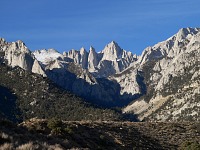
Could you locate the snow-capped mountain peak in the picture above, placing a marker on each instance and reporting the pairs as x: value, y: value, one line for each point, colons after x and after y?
x: 164, y: 82
x: 46, y: 56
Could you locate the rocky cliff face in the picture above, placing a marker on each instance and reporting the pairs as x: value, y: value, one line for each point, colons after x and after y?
x: 37, y: 68
x: 163, y: 82
x: 93, y: 60
x: 77, y: 71
x: 112, y: 59
x: 171, y: 72
x: 17, y: 54
x: 3, y: 44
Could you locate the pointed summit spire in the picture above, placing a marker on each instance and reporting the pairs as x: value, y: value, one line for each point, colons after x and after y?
x: 92, y: 48
x: 83, y: 57
x: 2, y: 43
x: 113, y: 43
x: 112, y: 51
x: 82, y: 51
x: 2, y: 40
x: 92, y: 59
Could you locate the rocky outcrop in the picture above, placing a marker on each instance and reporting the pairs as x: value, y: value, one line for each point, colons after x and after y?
x: 163, y: 83
x: 111, y: 52
x: 36, y: 68
x: 93, y: 60
x: 112, y: 59
x: 170, y: 70
x: 3, y: 44
x: 130, y: 83
x: 83, y: 58
x: 79, y: 75
x: 17, y: 54
x: 74, y: 55
x: 172, y: 47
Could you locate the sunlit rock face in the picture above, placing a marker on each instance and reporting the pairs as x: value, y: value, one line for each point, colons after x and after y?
x: 36, y: 68
x: 160, y: 85
x: 93, y: 60
x: 17, y: 54
x: 171, y: 72
x: 112, y: 59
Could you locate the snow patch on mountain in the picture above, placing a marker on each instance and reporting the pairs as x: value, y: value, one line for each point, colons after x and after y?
x: 46, y: 56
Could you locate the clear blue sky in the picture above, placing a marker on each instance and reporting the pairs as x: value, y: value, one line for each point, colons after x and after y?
x: 67, y: 24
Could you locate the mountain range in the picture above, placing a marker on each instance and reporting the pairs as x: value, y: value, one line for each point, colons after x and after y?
x: 162, y: 84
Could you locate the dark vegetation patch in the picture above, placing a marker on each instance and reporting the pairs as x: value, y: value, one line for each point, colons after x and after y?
x: 36, y: 96
x: 100, y: 135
